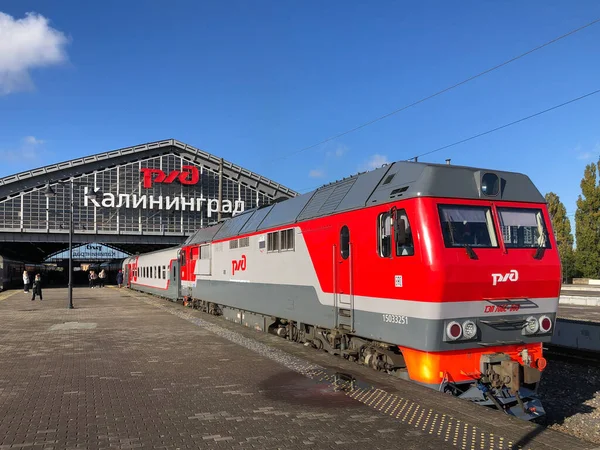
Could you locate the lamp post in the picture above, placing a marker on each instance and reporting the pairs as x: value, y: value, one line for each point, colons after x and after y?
x: 50, y: 193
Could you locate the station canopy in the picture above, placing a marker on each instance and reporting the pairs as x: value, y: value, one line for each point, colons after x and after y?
x: 93, y: 252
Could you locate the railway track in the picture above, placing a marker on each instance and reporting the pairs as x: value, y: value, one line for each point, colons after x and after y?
x: 572, y: 355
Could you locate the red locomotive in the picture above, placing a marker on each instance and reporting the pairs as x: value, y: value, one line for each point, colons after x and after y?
x: 445, y: 275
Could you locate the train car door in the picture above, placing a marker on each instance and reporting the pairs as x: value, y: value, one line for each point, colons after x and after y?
x: 343, y: 280
x: 174, y: 277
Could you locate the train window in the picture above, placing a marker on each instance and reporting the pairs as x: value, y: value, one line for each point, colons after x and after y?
x: 523, y: 228
x: 384, y: 225
x: 464, y: 225
x: 164, y: 271
x: 182, y: 258
x: 406, y: 248
x: 287, y: 239
x: 273, y: 242
x: 345, y: 242
x: 205, y: 252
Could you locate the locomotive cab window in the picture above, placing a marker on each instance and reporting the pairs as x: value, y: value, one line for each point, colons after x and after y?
x: 464, y: 225
x: 384, y: 227
x: 523, y: 228
x: 403, y: 235
x: 182, y: 258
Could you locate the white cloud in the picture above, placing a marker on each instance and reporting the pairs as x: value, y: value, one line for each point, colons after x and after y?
x: 25, y: 44
x: 316, y: 173
x: 374, y: 162
x: 338, y: 152
x: 31, y: 140
x: 585, y: 155
x: 29, y: 151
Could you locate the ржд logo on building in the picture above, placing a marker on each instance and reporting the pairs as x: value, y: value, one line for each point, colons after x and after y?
x: 188, y: 175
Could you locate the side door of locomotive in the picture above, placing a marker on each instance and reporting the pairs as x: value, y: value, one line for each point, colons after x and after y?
x: 175, y: 277
x: 343, y: 270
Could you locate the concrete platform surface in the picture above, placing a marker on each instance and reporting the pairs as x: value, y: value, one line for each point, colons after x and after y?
x: 124, y: 370
x: 579, y: 312
x: 578, y: 327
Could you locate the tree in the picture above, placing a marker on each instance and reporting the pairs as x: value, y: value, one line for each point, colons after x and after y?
x: 587, y: 224
x: 562, y: 232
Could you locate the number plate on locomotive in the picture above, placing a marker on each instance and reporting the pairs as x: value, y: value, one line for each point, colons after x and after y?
x: 393, y: 318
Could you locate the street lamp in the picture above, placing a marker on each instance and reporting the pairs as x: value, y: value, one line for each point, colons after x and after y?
x: 50, y: 193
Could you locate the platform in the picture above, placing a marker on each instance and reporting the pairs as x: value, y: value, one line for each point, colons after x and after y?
x: 125, y: 370
x: 582, y: 295
x: 578, y: 324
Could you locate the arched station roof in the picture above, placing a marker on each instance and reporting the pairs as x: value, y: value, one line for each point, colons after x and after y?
x: 31, y: 224
x: 13, y: 185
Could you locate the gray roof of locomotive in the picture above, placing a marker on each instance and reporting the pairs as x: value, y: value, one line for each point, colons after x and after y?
x: 399, y: 180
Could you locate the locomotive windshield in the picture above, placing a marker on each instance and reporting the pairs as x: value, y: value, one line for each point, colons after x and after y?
x: 523, y: 228
x: 467, y: 226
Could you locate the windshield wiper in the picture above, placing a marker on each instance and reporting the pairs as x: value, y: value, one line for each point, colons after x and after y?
x: 470, y: 252
x: 539, y: 253
x: 541, y: 249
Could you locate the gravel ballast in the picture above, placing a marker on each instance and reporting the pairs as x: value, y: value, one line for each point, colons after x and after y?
x: 570, y: 393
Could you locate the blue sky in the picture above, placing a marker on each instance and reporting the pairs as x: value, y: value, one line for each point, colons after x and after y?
x: 255, y: 81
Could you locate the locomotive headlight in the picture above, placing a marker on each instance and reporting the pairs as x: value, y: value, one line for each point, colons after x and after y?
x: 453, y: 330
x: 490, y: 184
x: 532, y: 325
x: 469, y: 329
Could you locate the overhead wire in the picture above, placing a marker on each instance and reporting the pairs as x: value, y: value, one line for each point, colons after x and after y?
x: 462, y: 141
x: 514, y: 122
x: 429, y: 97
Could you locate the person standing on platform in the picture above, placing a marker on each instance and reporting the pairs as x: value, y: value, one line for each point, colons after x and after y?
x: 120, y: 278
x: 102, y: 277
x: 37, y: 287
x: 25, y: 281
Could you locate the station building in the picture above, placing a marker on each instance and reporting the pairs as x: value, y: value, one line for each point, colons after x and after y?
x: 135, y: 199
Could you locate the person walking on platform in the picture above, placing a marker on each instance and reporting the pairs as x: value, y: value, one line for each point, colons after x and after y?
x: 102, y: 277
x: 25, y: 281
x: 120, y: 278
x: 92, y: 278
x: 37, y: 287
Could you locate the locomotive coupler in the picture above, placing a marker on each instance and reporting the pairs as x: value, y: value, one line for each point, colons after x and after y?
x: 501, y: 373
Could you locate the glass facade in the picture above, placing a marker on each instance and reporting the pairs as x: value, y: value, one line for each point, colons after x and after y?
x: 169, y: 201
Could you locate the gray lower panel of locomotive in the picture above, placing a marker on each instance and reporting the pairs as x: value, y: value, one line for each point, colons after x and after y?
x: 301, y: 304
